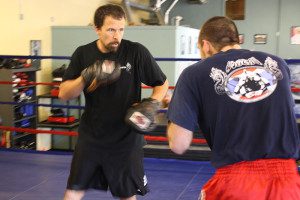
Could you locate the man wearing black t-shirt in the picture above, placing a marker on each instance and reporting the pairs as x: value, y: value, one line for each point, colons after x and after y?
x: 108, y: 154
x: 241, y: 100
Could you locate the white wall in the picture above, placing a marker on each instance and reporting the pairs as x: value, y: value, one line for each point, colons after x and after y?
x: 38, y: 17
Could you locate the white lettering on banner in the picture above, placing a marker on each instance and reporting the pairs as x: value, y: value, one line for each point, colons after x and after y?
x: 242, y: 62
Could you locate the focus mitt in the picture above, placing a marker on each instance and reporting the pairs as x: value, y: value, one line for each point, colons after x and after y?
x: 101, y: 73
x: 142, y: 115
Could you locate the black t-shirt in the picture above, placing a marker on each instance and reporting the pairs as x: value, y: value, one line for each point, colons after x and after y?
x: 102, y: 123
x: 241, y: 100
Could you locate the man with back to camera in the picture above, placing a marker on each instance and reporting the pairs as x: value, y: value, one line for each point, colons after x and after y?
x: 110, y: 70
x: 241, y: 100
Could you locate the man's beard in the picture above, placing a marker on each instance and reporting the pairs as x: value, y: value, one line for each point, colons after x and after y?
x: 112, y: 48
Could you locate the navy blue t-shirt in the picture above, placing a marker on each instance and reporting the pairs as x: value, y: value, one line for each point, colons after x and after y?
x: 241, y: 101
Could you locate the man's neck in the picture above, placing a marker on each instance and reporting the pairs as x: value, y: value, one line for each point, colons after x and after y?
x: 228, y: 47
x: 101, y: 48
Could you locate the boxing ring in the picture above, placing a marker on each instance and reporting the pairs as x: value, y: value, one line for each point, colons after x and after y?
x: 27, y: 174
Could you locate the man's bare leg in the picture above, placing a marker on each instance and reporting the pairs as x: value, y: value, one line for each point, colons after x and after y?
x: 73, y: 194
x: 129, y: 198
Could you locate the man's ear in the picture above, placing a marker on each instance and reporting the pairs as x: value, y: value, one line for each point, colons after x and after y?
x: 206, y: 46
x: 209, y: 48
x: 96, y: 29
x: 205, y: 49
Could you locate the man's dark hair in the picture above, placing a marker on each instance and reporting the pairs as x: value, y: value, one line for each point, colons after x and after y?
x: 220, y: 31
x: 112, y: 10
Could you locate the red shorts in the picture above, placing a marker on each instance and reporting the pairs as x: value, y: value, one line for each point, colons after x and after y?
x: 265, y: 179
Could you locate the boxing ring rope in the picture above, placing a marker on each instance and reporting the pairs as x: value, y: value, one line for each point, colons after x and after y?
x: 72, y: 133
x: 30, y: 83
x: 43, y: 105
x: 288, y: 61
x: 38, y: 131
x: 68, y: 58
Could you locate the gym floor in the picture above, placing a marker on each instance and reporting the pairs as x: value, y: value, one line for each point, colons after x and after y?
x: 29, y: 175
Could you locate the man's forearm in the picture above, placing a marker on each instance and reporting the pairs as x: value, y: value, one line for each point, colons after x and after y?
x: 179, y: 138
x: 71, y: 89
x: 159, y: 92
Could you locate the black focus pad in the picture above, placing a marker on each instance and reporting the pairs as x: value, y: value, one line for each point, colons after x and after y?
x: 101, y: 73
x: 142, y: 115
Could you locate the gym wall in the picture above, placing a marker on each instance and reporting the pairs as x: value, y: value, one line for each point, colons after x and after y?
x: 271, y: 17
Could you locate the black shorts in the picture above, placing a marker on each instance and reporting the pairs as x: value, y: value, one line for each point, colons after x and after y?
x: 120, y: 171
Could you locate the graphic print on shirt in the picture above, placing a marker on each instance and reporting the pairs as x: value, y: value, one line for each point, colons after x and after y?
x: 247, y: 80
x: 127, y: 67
